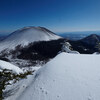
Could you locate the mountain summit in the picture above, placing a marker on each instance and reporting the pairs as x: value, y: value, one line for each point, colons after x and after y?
x: 91, y: 39
x: 26, y: 35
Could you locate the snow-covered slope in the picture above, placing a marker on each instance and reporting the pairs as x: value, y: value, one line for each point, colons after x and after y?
x: 27, y: 35
x: 66, y: 77
x: 9, y: 66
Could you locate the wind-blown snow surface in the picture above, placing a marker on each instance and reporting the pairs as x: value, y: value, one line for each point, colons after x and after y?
x: 66, y: 77
x: 27, y: 35
x: 9, y: 66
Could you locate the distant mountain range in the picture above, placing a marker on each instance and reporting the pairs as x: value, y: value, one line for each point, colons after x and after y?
x: 91, y: 39
x: 86, y: 45
x: 78, y: 35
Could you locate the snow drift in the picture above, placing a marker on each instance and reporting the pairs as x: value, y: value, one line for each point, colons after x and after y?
x: 27, y: 35
x: 9, y: 66
x: 66, y: 77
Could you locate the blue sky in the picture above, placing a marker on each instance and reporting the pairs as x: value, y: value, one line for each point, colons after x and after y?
x: 56, y: 15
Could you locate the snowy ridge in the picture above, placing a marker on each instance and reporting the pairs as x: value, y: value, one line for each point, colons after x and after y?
x: 66, y: 77
x: 66, y: 48
x: 9, y: 66
x: 27, y: 35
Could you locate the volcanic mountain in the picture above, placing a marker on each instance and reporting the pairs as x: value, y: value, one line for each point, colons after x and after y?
x: 26, y: 35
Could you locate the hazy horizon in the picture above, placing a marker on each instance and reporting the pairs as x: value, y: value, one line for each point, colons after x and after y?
x: 69, y: 32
